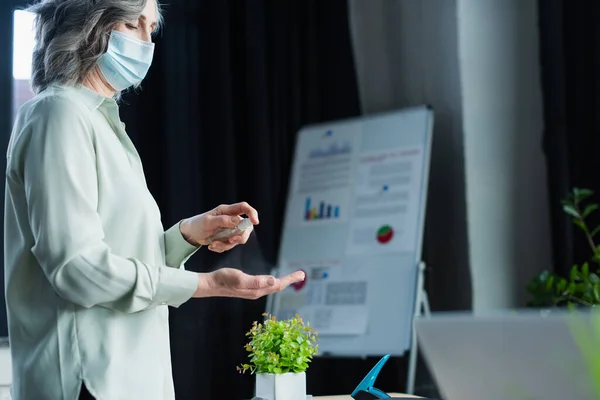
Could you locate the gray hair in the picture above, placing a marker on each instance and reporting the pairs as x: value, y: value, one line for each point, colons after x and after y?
x: 71, y: 35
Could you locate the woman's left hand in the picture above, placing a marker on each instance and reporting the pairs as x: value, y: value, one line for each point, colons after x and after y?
x: 199, y: 228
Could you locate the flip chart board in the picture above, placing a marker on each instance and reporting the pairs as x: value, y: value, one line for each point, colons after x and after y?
x: 354, y: 223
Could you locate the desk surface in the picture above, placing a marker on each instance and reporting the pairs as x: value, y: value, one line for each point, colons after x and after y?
x: 350, y: 398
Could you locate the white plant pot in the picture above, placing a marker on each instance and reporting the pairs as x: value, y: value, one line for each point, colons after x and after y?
x: 289, y: 386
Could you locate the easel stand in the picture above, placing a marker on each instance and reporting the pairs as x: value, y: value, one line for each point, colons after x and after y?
x: 421, y: 309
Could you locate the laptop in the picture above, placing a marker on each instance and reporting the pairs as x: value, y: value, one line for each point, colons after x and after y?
x: 525, y: 355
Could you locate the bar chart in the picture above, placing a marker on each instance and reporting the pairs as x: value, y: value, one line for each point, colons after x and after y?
x: 320, y: 211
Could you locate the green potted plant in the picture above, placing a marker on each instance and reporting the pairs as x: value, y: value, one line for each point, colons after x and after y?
x: 579, y: 290
x: 582, y: 287
x: 279, y: 355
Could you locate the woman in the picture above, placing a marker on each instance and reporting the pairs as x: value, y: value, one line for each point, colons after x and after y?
x: 89, y: 269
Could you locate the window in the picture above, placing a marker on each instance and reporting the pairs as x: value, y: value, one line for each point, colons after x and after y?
x: 23, y: 44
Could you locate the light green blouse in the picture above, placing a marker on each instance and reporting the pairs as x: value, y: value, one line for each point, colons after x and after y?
x: 89, y: 269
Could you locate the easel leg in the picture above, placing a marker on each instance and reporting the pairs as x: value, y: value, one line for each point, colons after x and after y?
x: 414, y: 347
x: 412, y: 365
x: 426, y: 309
x: 421, y: 307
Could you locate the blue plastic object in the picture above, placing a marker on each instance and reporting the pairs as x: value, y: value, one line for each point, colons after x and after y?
x: 366, y: 388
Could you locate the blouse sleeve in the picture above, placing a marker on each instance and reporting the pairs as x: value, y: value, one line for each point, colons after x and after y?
x: 177, y: 249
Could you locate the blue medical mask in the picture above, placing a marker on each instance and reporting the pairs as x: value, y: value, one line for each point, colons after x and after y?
x: 126, y: 61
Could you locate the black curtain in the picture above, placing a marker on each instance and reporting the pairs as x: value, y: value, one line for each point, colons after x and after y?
x: 570, y: 62
x: 216, y: 121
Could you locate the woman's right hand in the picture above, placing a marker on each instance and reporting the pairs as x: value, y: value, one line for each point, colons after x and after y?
x: 230, y: 282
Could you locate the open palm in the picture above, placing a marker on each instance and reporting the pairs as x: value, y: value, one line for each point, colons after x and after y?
x: 230, y: 282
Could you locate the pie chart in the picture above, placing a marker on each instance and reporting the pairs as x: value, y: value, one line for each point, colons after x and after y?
x: 385, y: 234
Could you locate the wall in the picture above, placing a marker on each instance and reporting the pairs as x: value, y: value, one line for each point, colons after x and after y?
x: 475, y: 62
x: 5, y: 370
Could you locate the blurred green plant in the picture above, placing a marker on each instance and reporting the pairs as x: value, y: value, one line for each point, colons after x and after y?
x: 279, y: 347
x: 587, y: 338
x: 582, y: 287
